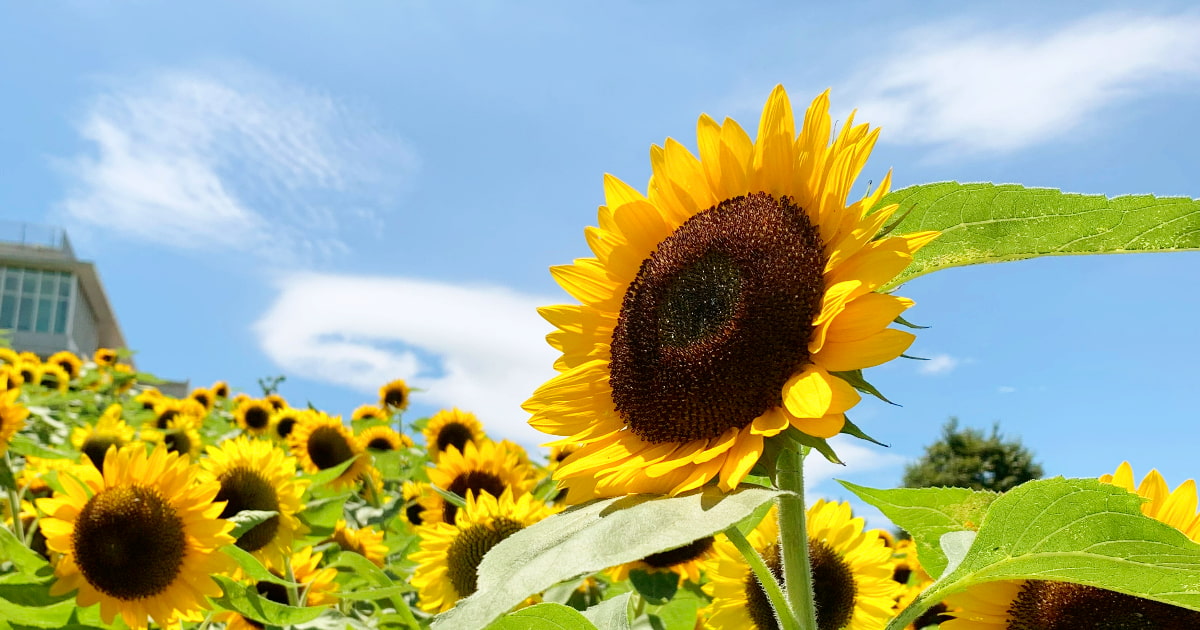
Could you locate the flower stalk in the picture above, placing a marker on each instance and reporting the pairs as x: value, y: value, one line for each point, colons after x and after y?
x: 793, y: 536
x: 783, y: 611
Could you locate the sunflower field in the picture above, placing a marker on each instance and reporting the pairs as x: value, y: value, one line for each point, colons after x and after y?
x: 719, y: 336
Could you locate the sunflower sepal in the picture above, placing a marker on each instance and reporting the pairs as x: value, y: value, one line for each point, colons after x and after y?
x: 853, y: 430
x: 859, y: 382
x: 907, y: 324
x: 802, y: 439
x: 244, y: 600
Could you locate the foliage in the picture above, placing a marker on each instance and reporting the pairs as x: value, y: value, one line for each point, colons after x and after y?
x: 968, y: 458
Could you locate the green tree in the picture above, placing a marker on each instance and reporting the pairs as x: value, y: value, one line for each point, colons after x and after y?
x: 968, y: 458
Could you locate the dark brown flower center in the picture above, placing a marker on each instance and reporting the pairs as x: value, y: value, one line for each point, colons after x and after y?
x: 285, y: 426
x: 471, y: 481
x: 381, y: 443
x: 96, y: 445
x: 178, y: 441
x: 129, y: 542
x: 246, y: 489
x: 468, y: 549
x: 717, y: 320
x: 1045, y: 605
x: 453, y: 434
x: 327, y: 447
x: 834, y: 589
x: 394, y: 397
x: 257, y: 417
x: 164, y: 419
x: 671, y: 557
x: 413, y: 513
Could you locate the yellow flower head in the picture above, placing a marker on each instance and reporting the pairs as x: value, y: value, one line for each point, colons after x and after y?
x: 383, y: 438
x: 451, y: 427
x: 317, y: 587
x: 254, y: 416
x: 366, y: 542
x: 369, y: 412
x: 448, y: 560
x: 181, y: 435
x: 394, y: 395
x: 12, y: 417
x: 67, y: 360
x: 53, y: 376
x: 104, y: 356
x: 720, y: 307
x: 8, y: 356
x: 487, y: 468
x: 284, y: 421
x: 204, y: 397
x: 142, y: 540
x: 321, y: 442
x: 110, y: 430
x: 852, y: 574
x: 220, y: 389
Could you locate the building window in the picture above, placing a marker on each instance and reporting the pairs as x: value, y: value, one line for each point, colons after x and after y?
x: 35, y: 300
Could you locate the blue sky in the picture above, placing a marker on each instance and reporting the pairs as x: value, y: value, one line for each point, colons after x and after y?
x: 349, y: 196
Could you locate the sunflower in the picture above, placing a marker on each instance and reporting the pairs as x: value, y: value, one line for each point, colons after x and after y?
x: 67, y: 360
x: 686, y: 562
x: 142, y: 539
x: 283, y: 421
x: 488, y: 468
x: 366, y: 542
x: 852, y: 575
x: 148, y: 398
x: 254, y: 416
x: 394, y: 395
x: 316, y: 588
x: 181, y: 435
x: 32, y: 477
x: 53, y: 376
x: 451, y: 427
x: 449, y: 556
x: 204, y: 397
x: 167, y: 409
x: 369, y: 413
x: 8, y: 356
x: 30, y: 371
x: 277, y: 402
x: 910, y: 575
x: 256, y: 475
x: 104, y: 356
x: 720, y: 308
x: 12, y: 417
x: 1051, y: 605
x: 418, y: 497
x: 10, y: 377
x: 322, y: 442
x: 382, y: 438
x: 109, y: 430
x: 220, y: 389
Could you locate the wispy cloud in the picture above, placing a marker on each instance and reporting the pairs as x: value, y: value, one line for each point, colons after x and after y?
x: 938, y: 364
x: 477, y: 348
x: 236, y: 160
x: 1006, y: 389
x: 976, y: 90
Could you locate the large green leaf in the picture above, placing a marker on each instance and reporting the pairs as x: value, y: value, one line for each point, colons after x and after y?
x: 591, y: 538
x: 927, y: 514
x: 546, y: 616
x: 245, y: 600
x: 1072, y: 530
x: 610, y: 614
x: 983, y: 223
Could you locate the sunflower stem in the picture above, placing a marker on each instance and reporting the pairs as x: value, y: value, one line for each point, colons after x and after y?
x: 793, y: 536
x: 292, y: 593
x: 783, y: 612
x: 14, y: 505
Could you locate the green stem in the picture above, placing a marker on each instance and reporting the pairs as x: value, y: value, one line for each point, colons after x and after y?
x: 14, y: 505
x: 793, y: 536
x: 783, y: 612
x: 292, y: 592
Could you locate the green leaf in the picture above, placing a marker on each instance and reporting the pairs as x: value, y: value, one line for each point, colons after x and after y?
x: 546, y: 616
x: 449, y: 496
x: 656, y: 587
x: 1074, y: 530
x: 323, y: 514
x: 610, y: 614
x: 364, y: 568
x: 680, y: 612
x: 245, y: 600
x: 985, y: 223
x: 252, y: 567
x: 27, y: 561
x: 329, y: 474
x: 593, y: 537
x: 247, y: 520
x: 928, y: 514
x: 23, y: 445
x: 7, y: 480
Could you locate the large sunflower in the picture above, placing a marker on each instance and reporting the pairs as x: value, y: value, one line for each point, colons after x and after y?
x: 142, y: 540
x: 487, y: 468
x: 449, y: 556
x: 1046, y: 605
x: 852, y: 575
x: 320, y: 441
x: 256, y: 475
x: 721, y: 307
x: 451, y: 427
x: 12, y: 416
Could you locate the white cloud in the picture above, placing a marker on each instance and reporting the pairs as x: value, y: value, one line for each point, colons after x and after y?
x: 231, y: 160
x: 859, y: 457
x: 1001, y: 90
x: 938, y: 364
x: 478, y: 348
x: 1006, y: 389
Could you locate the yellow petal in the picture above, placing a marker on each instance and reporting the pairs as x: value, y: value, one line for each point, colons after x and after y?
x: 741, y: 459
x: 879, y: 348
x: 773, y: 422
x: 774, y: 160
x: 866, y: 315
x: 815, y: 393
